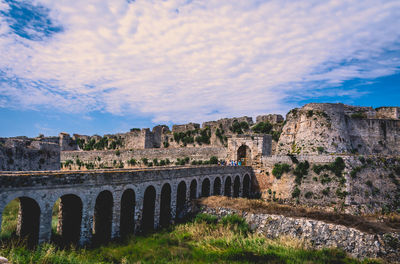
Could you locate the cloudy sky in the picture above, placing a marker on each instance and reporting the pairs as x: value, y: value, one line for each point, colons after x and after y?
x: 107, y: 66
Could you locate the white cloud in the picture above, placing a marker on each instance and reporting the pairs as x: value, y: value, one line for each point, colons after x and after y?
x: 197, y: 60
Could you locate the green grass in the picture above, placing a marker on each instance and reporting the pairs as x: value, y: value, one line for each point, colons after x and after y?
x: 204, y: 240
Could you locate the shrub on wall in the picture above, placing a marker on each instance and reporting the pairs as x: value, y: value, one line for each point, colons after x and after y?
x: 262, y: 127
x: 279, y: 169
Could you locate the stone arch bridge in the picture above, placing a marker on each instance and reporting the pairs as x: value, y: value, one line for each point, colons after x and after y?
x: 105, y: 204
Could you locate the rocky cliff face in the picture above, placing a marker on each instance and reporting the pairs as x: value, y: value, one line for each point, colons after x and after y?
x: 338, y: 128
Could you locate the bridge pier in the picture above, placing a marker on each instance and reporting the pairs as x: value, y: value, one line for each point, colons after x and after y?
x: 173, y: 202
x: 45, y: 223
x: 157, y: 209
x: 87, y: 222
x: 138, y: 212
x: 116, y: 215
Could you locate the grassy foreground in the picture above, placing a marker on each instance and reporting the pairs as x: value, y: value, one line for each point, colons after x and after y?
x: 204, y: 240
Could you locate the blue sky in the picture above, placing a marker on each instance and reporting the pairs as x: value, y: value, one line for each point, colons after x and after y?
x: 102, y: 67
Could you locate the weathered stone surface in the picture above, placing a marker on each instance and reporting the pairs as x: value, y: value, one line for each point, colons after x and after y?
x: 28, y: 154
x: 271, y: 118
x: 321, y: 235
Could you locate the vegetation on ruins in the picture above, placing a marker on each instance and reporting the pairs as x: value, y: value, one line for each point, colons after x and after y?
x: 359, y: 115
x: 239, y: 127
x: 336, y: 167
x: 104, y: 143
x: 200, y: 136
x: 301, y: 171
x: 279, y: 169
x: 205, y: 239
x: 262, y: 128
x: 132, y: 162
x: 219, y: 132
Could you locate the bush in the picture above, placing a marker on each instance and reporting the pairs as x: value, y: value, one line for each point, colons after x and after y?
x: 145, y: 161
x: 300, y: 171
x: 262, y: 127
x: 320, y: 150
x: 162, y: 163
x: 213, y: 160
x: 132, y: 162
x: 276, y: 135
x: 279, y: 169
x: 237, y: 222
x: 354, y: 172
x: 326, y: 191
x: 310, y: 113
x: 296, y: 192
x: 206, y: 218
x: 239, y: 127
x: 166, y: 144
x: 358, y: 115
x: 308, y: 195
x: 117, y: 153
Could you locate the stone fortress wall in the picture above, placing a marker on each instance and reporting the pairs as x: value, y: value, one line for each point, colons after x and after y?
x: 24, y: 154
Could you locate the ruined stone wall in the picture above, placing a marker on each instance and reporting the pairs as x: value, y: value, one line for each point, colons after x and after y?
x: 320, y: 234
x: 365, y: 185
x: 28, y: 154
x: 113, y: 158
x: 338, y: 128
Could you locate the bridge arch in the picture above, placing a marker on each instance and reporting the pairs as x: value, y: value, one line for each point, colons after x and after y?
x: 102, y: 218
x: 69, y: 219
x: 127, y: 217
x: 165, y: 205
x: 205, y: 187
x: 149, y: 204
x: 217, y: 186
x: 228, y: 187
x: 28, y: 223
x: 193, y: 189
x: 180, y: 199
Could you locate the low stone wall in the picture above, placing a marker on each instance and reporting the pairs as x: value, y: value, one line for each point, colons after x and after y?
x: 107, y: 157
x: 321, y: 235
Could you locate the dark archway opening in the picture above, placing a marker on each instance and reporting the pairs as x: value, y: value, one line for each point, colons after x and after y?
x: 244, y: 155
x: 180, y: 200
x: 193, y: 190
x: 217, y: 186
x: 102, y: 220
x: 228, y: 187
x: 127, y: 221
x: 236, y: 187
x: 246, y: 186
x: 69, y: 214
x: 165, y: 206
x: 149, y: 203
x: 21, y: 220
x: 205, y: 188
